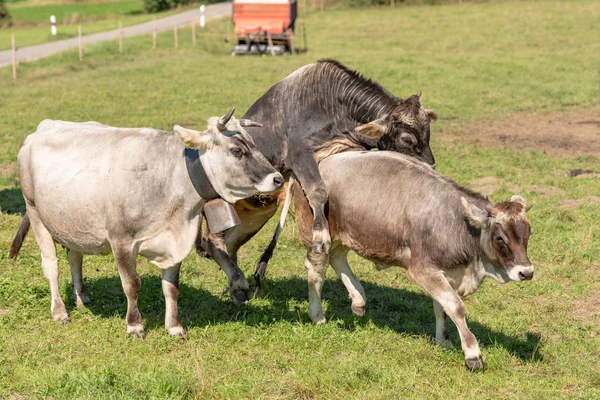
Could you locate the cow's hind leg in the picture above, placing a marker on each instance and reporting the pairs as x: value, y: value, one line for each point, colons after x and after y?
x: 438, y: 287
x: 79, y: 290
x: 238, y: 285
x: 130, y: 280
x: 441, y: 327
x: 339, y: 262
x: 49, y: 264
x: 170, y: 286
x: 316, y: 266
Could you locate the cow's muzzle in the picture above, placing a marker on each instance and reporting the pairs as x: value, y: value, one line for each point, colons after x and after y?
x: 522, y: 272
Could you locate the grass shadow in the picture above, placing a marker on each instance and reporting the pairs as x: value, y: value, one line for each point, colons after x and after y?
x: 400, y: 310
x: 11, y: 201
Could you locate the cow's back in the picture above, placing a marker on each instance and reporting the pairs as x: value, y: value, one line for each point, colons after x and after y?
x: 90, y: 178
x: 382, y: 204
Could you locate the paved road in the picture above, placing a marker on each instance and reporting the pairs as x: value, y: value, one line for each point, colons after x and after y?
x: 44, y: 50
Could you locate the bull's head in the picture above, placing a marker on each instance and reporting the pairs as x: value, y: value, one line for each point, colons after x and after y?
x: 504, y: 236
x: 405, y: 130
x: 233, y: 163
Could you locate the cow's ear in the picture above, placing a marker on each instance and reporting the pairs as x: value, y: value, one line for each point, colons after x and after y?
x: 194, y: 139
x: 374, y: 129
x: 476, y: 216
x: 247, y: 122
x: 518, y: 199
x: 432, y: 115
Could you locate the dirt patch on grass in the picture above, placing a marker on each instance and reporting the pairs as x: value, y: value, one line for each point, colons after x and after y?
x: 568, y: 134
x: 571, y: 204
x: 543, y: 190
x: 7, y: 169
x: 587, y: 309
x: 486, y: 185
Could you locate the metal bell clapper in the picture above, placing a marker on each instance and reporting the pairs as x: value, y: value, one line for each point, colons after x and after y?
x: 220, y: 215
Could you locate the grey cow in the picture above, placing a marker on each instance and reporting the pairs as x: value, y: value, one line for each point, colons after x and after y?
x: 397, y: 211
x: 97, y: 189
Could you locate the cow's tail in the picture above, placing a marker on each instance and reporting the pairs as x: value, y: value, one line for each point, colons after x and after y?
x: 20, y: 237
x: 261, y: 269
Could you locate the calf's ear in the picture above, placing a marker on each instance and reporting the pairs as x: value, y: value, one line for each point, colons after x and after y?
x: 193, y: 139
x: 374, y: 129
x: 431, y: 114
x: 476, y: 216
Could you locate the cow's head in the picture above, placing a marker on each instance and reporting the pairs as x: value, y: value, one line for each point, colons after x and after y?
x: 233, y: 164
x: 504, y: 236
x: 405, y: 130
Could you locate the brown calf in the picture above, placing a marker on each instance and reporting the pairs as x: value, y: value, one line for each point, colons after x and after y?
x: 396, y: 211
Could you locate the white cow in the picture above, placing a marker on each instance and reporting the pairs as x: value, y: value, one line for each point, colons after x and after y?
x: 97, y: 189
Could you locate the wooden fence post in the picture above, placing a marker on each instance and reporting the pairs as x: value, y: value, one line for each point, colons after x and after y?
x: 120, y: 37
x: 80, y: 44
x: 14, y: 57
x: 270, y: 42
x: 392, y: 3
x: 175, y: 38
x: 193, y: 34
x: 154, y: 35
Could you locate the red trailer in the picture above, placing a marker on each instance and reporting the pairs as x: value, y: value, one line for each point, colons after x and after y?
x: 264, y: 26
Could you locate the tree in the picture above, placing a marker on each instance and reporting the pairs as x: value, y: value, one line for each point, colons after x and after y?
x: 5, y: 19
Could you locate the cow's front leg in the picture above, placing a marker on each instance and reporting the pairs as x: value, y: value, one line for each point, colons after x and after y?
x: 238, y: 285
x: 130, y: 280
x: 170, y: 286
x: 441, y: 327
x: 438, y: 287
x: 303, y: 163
x: 316, y: 267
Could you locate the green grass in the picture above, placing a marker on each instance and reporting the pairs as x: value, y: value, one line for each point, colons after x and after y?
x: 473, y: 62
x: 80, y: 12
x: 32, y: 23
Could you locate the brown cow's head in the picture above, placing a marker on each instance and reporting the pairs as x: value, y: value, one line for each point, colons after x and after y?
x: 405, y: 130
x: 504, y: 236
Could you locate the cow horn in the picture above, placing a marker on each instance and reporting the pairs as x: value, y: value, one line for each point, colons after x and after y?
x: 247, y: 122
x: 225, y: 119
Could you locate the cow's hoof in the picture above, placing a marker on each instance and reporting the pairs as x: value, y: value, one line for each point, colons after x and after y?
x: 136, y: 332
x: 82, y: 300
x: 474, y: 364
x: 446, y: 344
x: 177, y: 332
x: 62, y: 320
x: 318, y: 319
x: 358, y: 310
x: 61, y: 316
x: 240, y: 296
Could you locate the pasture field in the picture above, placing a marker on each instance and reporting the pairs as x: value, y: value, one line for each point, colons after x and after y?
x: 481, y: 67
x: 32, y: 22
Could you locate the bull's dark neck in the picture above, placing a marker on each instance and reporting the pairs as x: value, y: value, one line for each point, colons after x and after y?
x: 363, y: 99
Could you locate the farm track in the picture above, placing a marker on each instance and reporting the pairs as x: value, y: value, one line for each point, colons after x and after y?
x: 36, y: 52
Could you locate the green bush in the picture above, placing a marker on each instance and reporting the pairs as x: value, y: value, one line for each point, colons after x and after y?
x: 153, y: 6
x: 5, y: 19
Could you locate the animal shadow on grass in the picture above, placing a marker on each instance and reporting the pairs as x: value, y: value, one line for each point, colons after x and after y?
x: 400, y: 310
x: 412, y: 313
x: 11, y: 201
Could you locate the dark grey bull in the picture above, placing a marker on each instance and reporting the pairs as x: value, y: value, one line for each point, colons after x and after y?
x: 97, y: 189
x: 321, y: 109
x: 396, y: 211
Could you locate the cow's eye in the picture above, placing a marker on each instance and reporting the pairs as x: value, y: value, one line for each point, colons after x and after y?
x: 407, y: 141
x: 499, y: 240
x: 237, y: 152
